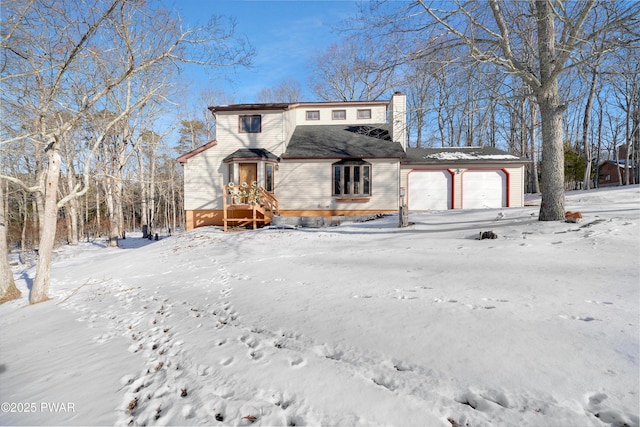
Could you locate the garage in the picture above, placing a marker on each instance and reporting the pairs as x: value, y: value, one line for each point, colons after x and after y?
x: 429, y: 190
x: 484, y: 189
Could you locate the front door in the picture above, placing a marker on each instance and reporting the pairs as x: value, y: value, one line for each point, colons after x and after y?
x: 248, y: 173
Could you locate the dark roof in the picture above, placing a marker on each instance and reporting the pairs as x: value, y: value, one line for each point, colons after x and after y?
x: 251, y: 154
x: 460, y: 155
x: 290, y: 105
x: 621, y: 163
x: 342, y: 141
x: 242, y: 107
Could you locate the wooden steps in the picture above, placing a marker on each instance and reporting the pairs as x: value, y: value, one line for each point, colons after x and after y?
x: 248, y: 206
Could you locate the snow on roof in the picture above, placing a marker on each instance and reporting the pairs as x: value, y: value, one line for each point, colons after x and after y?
x: 464, y: 154
x: 450, y: 155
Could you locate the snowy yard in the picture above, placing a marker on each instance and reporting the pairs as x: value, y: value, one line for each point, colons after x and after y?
x: 362, y: 324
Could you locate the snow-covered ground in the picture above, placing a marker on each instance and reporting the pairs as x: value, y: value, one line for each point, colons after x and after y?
x: 362, y: 324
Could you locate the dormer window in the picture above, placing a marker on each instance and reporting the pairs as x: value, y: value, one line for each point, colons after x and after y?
x: 313, y: 115
x: 250, y: 124
x: 338, y: 114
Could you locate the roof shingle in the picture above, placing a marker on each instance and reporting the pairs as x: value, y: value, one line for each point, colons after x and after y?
x: 342, y: 141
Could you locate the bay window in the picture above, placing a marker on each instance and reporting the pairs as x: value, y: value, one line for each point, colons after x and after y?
x: 351, y: 178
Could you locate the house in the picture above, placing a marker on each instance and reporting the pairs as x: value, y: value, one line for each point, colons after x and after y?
x: 612, y: 172
x: 327, y: 159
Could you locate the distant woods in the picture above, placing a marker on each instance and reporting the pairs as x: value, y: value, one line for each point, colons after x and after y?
x: 487, y: 73
x: 85, y: 149
x: 483, y: 74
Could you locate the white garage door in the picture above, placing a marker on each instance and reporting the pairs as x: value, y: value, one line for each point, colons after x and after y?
x: 429, y: 190
x: 484, y: 189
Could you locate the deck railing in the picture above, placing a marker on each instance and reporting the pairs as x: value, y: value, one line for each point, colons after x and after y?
x: 250, y: 204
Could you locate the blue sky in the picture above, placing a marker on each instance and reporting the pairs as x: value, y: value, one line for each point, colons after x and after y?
x: 285, y: 34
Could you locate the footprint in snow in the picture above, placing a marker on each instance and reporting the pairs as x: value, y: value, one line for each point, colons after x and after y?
x: 585, y: 318
x: 385, y: 382
x: 255, y: 354
x: 581, y: 318
x: 227, y: 361
x: 401, y: 366
x: 297, y: 361
x: 249, y: 341
x: 594, y: 405
x: 596, y: 398
x: 478, y: 402
x: 599, y: 302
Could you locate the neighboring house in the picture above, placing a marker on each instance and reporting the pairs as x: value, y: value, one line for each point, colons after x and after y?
x: 611, y: 172
x: 332, y: 159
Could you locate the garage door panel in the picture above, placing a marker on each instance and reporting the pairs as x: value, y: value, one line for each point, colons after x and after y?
x: 484, y: 189
x: 429, y: 190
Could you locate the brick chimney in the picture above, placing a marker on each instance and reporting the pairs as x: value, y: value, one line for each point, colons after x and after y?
x: 398, y: 119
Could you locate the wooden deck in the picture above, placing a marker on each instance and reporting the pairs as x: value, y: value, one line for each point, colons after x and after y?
x: 248, y: 206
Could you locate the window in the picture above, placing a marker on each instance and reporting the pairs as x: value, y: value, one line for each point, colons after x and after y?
x: 313, y: 115
x: 268, y: 177
x: 250, y: 124
x: 351, y: 178
x: 231, y: 178
x: 364, y: 114
x: 339, y: 115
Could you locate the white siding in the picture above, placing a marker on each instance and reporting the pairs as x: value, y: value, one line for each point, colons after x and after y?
x: 204, y: 176
x: 308, y: 185
x: 516, y: 189
x: 205, y: 173
x: 378, y: 114
x: 271, y: 138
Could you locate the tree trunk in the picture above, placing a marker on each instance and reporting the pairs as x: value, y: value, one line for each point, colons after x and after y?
x: 552, y: 173
x: 535, y: 186
x: 72, y: 206
x: 23, y: 233
x: 616, y: 156
x: 627, y: 144
x: 114, y: 232
x: 635, y: 137
x: 552, y: 168
x: 585, y: 131
x: 600, y: 120
x: 173, y: 199
x: 8, y: 289
x: 67, y: 220
x: 119, y: 212
x: 152, y: 183
x: 98, y: 225
x: 40, y: 288
x: 144, y: 222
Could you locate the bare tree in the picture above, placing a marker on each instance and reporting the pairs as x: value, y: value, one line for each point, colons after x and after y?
x: 586, y: 122
x: 8, y: 290
x: 50, y: 49
x: 499, y: 32
x: 193, y: 133
x: 357, y: 69
x: 287, y: 91
x: 625, y: 78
